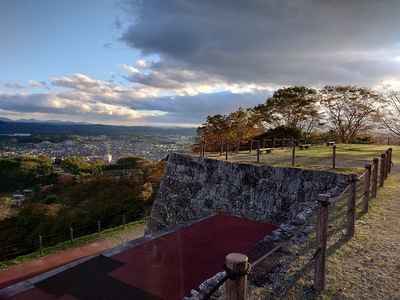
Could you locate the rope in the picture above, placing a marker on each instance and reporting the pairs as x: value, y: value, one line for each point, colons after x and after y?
x: 255, y: 263
x: 216, y: 287
x: 229, y: 275
x: 333, y: 232
x: 360, y: 200
x: 301, y: 273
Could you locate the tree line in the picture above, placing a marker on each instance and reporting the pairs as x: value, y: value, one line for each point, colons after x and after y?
x: 347, y: 114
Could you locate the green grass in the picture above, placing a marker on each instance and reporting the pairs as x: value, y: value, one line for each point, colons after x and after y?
x: 350, y: 158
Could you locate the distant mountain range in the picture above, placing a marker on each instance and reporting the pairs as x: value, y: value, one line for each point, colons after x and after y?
x: 8, y: 126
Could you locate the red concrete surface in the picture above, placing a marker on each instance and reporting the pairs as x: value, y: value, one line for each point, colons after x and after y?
x: 171, y: 265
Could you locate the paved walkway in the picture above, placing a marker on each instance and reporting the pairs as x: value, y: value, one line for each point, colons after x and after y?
x: 164, y: 267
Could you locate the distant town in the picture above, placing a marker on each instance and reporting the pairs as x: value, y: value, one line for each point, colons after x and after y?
x: 90, y: 141
x: 109, y: 149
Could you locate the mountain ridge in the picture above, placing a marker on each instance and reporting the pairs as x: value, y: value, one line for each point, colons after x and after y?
x: 8, y: 126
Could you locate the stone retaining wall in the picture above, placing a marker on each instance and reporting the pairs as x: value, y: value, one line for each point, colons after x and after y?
x: 194, y: 186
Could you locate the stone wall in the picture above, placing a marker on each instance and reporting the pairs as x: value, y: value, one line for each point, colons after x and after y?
x: 194, y: 186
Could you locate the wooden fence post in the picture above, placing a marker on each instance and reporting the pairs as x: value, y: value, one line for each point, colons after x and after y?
x: 40, y: 245
x: 322, y: 238
x: 375, y: 163
x: 71, y: 234
x: 123, y: 221
x: 387, y: 163
x: 382, y: 170
x: 390, y: 160
x: 258, y: 152
x: 367, y: 184
x: 226, y: 150
x: 351, y: 206
x: 236, y: 263
x: 293, y: 153
x: 334, y: 157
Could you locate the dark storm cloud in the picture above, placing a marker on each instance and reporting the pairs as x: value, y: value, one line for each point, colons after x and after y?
x: 285, y: 42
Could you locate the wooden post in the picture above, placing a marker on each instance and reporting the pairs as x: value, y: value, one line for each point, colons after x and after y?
x: 236, y: 288
x: 99, y: 227
x: 390, y: 160
x: 123, y: 221
x: 334, y: 157
x: 375, y: 162
x: 293, y: 153
x: 382, y: 171
x: 71, y: 234
x: 40, y: 245
x: 367, y: 184
x: 351, y: 206
x: 387, y: 163
x: 251, y: 146
x: 322, y: 238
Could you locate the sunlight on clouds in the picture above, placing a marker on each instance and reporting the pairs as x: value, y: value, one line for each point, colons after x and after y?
x: 130, y: 69
x: 143, y: 64
x: 179, y: 82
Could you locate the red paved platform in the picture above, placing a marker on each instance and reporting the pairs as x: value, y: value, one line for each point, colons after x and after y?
x: 167, y: 267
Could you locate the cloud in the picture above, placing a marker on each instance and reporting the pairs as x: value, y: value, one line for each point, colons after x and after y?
x: 284, y: 42
x: 167, y: 103
x: 14, y: 85
x: 42, y: 84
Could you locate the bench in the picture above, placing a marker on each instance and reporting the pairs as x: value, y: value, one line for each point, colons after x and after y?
x: 304, y: 146
x: 267, y: 150
x: 330, y: 143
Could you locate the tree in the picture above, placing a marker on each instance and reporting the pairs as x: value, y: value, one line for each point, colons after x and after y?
x: 292, y: 107
x: 243, y: 127
x: 214, y: 131
x: 350, y: 110
x: 390, y: 112
x: 238, y: 126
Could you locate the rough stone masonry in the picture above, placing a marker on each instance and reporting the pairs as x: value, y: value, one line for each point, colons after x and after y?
x: 195, y: 186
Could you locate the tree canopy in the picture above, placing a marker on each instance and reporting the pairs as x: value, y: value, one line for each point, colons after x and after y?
x: 293, y: 107
x: 390, y: 110
x: 346, y: 112
x: 350, y: 110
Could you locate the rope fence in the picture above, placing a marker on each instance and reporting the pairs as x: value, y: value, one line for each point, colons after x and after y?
x: 359, y: 191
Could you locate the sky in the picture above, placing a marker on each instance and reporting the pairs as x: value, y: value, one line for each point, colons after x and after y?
x: 174, y: 62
